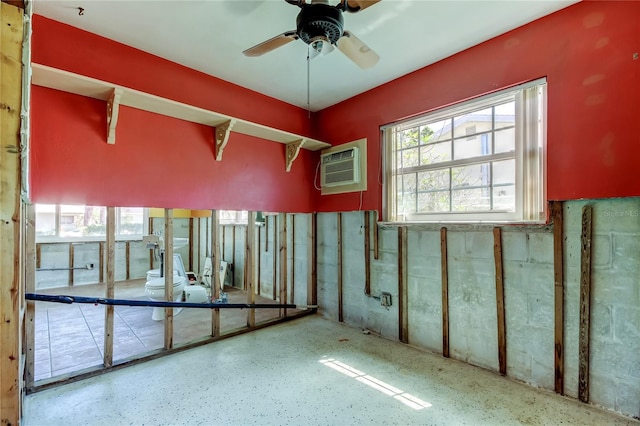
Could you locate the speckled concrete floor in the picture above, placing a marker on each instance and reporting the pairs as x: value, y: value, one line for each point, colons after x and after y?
x: 308, y: 371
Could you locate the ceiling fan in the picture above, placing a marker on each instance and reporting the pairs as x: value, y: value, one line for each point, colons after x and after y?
x: 321, y: 26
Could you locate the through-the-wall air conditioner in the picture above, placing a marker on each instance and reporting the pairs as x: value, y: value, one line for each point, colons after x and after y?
x: 340, y: 167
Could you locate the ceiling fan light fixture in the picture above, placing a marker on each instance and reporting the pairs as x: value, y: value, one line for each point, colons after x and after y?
x: 321, y: 44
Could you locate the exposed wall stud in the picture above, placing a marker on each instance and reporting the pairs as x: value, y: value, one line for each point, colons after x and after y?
x: 71, y: 262
x: 191, y: 238
x: 275, y: 258
x: 110, y: 286
x: 367, y: 253
x: 127, y: 253
x: 283, y: 263
x: 558, y: 277
x: 39, y: 256
x: 376, y: 244
x: 293, y: 258
x: 259, y: 260
x: 585, y: 305
x: 312, y: 282
x: 151, y: 252
x: 339, y: 226
x: 250, y: 269
x: 30, y: 287
x: 168, y: 277
x: 233, y: 253
x: 101, y: 261
x: 444, y: 266
x: 215, y: 265
x: 502, y: 334
x: 222, y: 132
x: 403, y: 314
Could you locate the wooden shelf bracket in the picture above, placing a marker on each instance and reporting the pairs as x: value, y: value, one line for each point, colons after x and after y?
x: 113, y: 107
x: 293, y: 149
x: 222, y: 137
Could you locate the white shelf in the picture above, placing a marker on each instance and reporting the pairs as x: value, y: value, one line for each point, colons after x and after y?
x: 65, y: 81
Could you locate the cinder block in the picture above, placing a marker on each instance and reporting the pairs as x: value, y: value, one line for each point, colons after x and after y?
x: 541, y: 247
x: 479, y: 245
x: 514, y: 246
x: 540, y: 311
x: 625, y: 252
x: 423, y: 243
x: 626, y: 326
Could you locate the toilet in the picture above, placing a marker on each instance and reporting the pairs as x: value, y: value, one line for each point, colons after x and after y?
x: 154, y: 290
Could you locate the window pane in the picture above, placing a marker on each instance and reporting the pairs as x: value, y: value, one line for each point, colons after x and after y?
x: 82, y: 221
x: 409, y: 137
x: 471, y: 199
x: 435, y: 153
x: 45, y: 220
x: 433, y: 202
x: 505, y: 140
x: 505, y: 115
x: 131, y: 221
x: 474, y: 175
x: 504, y: 198
x: 504, y: 172
x: 481, y: 120
x: 438, y: 130
x: 408, y: 183
x: 410, y: 157
x: 472, y: 146
x: 433, y: 180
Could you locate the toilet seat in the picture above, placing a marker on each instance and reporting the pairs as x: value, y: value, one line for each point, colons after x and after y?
x: 158, y: 283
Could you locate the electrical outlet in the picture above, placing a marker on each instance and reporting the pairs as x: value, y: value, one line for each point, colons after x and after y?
x: 385, y: 299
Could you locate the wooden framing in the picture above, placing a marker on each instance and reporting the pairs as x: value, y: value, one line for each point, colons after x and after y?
x: 39, y: 256
x: 30, y: 287
x: 71, y: 262
x: 109, y: 291
x: 444, y: 266
x: 502, y: 333
x: 101, y: 261
x: 339, y: 227
x: 293, y: 258
x: 151, y: 252
x: 275, y: 258
x: 215, y: 265
x: 283, y: 262
x: 376, y: 243
x: 191, y: 238
x: 168, y: 277
x: 312, y: 255
x: 558, y: 278
x: 266, y: 234
x: 233, y: 253
x: 259, y: 261
x: 250, y: 268
x: 367, y: 253
x: 585, y: 305
x: 127, y: 256
x: 11, y: 260
x: 403, y: 308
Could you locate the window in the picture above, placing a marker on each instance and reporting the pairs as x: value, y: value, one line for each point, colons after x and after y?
x: 55, y: 222
x: 480, y: 160
x: 233, y: 217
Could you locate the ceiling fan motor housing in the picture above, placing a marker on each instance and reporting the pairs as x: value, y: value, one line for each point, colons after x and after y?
x: 315, y: 20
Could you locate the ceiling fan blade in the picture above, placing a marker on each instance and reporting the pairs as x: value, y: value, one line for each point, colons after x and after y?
x: 271, y: 44
x: 357, y: 51
x: 356, y: 5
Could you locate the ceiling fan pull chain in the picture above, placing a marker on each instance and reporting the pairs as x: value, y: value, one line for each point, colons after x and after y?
x: 309, y: 81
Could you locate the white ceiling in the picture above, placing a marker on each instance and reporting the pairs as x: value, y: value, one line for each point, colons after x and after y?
x: 210, y: 35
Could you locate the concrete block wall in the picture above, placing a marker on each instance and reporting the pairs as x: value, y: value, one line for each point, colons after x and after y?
x: 528, y: 291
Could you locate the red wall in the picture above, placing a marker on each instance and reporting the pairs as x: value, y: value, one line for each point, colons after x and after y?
x: 156, y: 161
x: 586, y: 53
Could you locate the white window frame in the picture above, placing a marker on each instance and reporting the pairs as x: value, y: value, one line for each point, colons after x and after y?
x: 530, y: 156
x: 124, y: 237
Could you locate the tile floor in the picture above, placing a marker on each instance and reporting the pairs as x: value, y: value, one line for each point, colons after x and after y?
x: 310, y: 371
x: 69, y: 338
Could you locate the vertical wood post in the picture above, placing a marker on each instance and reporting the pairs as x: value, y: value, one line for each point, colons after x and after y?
x: 339, y: 226
x: 110, y: 286
x: 233, y: 253
x: 71, y: 262
x: 367, y: 253
x: 312, y: 282
x: 444, y: 266
x: 11, y: 258
x: 274, y: 225
x: 403, y: 317
x: 558, y: 278
x: 259, y: 260
x: 168, y: 277
x: 215, y: 266
x: 293, y: 258
x: 283, y: 262
x: 191, y: 235
x: 245, y: 278
x: 376, y: 241
x: 266, y: 233
x: 502, y: 333
x: 101, y: 261
x: 250, y: 270
x: 151, y: 252
x: 38, y: 255
x: 127, y: 256
x: 30, y: 287
x: 585, y: 305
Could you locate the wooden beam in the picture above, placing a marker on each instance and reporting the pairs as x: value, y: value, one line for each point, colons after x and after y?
x: 233, y: 253
x: 259, y: 260
x: 502, y: 334
x: 215, y: 265
x: 312, y: 282
x: 191, y: 238
x: 275, y: 258
x: 151, y: 252
x: 109, y: 291
x: 245, y: 265
x: 585, y: 305
x: 224, y: 238
x: 444, y: 267
x: 168, y: 277
x: 291, y: 153
x: 558, y: 278
x: 283, y: 262
x: 403, y: 308
x: 30, y: 287
x: 339, y: 226
x: 293, y: 258
x: 38, y: 255
x: 251, y: 272
x: 376, y: 243
x: 367, y: 253
x: 222, y: 131
x: 16, y: 3
x: 127, y: 257
x: 11, y: 258
x: 113, y: 109
x: 266, y: 234
x: 71, y: 262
